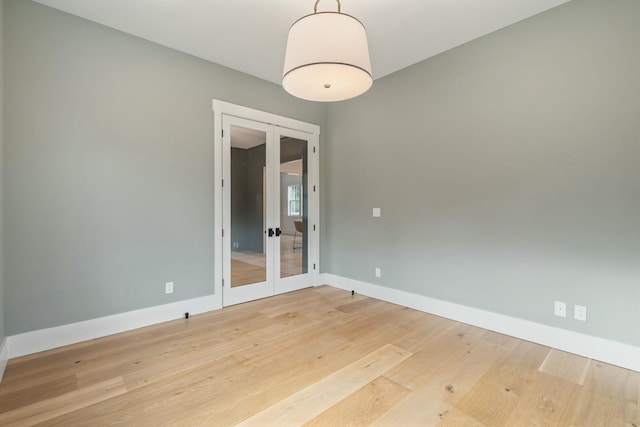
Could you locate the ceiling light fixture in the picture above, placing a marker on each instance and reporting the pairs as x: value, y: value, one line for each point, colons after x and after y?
x: 327, y: 57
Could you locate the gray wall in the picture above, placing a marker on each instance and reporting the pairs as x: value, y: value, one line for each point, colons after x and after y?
x: 2, y: 305
x: 507, y: 170
x: 247, y: 204
x: 109, y: 167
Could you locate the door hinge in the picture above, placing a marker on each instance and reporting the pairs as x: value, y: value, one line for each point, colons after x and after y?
x: 223, y: 232
x: 223, y: 283
x: 223, y: 133
x: 223, y: 182
x: 314, y: 149
x: 314, y: 227
x: 314, y: 266
x: 314, y: 188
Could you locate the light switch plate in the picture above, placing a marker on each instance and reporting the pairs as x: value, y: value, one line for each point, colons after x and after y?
x: 376, y: 212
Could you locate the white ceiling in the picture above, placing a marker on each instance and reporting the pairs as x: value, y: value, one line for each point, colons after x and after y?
x: 246, y: 138
x: 293, y: 167
x: 251, y: 35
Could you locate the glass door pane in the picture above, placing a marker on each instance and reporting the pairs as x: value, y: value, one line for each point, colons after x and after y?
x: 247, y: 241
x: 294, y: 206
x: 268, y: 207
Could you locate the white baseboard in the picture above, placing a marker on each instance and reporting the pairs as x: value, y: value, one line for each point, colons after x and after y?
x: 4, y: 356
x: 45, y: 339
x: 613, y: 352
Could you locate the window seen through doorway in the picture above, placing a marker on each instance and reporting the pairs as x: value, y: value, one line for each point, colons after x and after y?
x: 295, y: 200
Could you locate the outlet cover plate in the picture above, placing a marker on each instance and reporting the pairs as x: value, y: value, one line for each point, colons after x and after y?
x: 168, y: 288
x: 560, y: 309
x: 580, y: 312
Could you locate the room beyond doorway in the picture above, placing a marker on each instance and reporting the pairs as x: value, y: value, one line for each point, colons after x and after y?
x: 246, y: 266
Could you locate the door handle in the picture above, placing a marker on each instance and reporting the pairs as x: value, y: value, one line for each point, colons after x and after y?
x: 278, y: 232
x: 270, y: 233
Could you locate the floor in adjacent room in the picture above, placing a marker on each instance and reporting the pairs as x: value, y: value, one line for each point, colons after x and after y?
x: 250, y: 267
x: 318, y: 356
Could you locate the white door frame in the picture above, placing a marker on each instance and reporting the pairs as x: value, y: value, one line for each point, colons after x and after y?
x: 221, y: 108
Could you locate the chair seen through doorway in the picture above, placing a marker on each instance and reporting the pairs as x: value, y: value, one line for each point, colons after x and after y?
x: 298, y: 225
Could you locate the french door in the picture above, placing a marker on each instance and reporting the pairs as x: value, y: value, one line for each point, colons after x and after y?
x: 269, y: 209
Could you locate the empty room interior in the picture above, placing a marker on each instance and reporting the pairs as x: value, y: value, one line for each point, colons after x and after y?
x: 443, y: 228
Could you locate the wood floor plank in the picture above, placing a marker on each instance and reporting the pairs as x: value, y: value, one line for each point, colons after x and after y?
x: 145, y: 367
x: 162, y: 402
x: 436, y: 353
x: 102, y: 355
x: 363, y: 406
x: 266, y: 367
x: 311, y: 401
x: 359, y: 327
x: 283, y: 377
x: 496, y: 394
x: 456, y: 418
x: 46, y: 390
x: 296, y: 305
x: 166, y: 356
x: 271, y: 383
x: 224, y: 367
x: 609, y: 397
x: 251, y: 385
x: 434, y: 397
x: 38, y: 412
x: 358, y: 304
x: 566, y: 366
x: 416, y: 409
x: 550, y: 403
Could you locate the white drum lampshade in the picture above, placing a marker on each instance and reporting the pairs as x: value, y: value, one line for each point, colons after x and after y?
x: 327, y: 58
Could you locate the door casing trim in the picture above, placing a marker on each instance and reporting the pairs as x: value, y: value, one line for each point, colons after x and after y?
x: 221, y: 108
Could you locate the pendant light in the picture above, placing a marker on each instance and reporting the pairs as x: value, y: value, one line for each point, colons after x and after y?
x: 327, y: 57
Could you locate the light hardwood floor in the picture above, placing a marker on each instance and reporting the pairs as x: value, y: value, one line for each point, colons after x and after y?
x: 316, y: 357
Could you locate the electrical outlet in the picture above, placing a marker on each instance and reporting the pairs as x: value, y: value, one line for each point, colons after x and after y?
x: 580, y: 312
x: 168, y: 288
x: 376, y: 212
x: 378, y: 272
x: 560, y: 309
